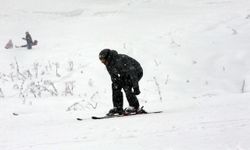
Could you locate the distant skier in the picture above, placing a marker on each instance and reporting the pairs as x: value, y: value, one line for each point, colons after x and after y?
x: 125, y: 74
x: 28, y: 39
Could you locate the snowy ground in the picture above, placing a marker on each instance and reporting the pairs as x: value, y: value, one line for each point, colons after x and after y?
x: 195, y: 56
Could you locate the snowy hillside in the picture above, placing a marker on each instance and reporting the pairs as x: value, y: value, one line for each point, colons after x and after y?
x: 195, y: 56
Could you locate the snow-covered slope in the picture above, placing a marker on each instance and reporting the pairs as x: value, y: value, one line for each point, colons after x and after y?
x: 195, y: 56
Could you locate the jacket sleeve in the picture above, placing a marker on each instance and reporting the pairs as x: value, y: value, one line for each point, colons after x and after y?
x: 134, y: 70
x: 133, y: 76
x: 114, y: 75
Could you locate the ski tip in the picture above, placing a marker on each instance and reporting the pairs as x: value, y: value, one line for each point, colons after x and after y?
x: 79, y: 119
x: 15, y: 114
x: 95, y: 117
x: 157, y: 112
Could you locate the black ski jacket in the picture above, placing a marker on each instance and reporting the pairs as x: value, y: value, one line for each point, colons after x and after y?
x: 124, y: 69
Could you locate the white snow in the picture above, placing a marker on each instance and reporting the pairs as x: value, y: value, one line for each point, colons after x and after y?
x: 195, y: 56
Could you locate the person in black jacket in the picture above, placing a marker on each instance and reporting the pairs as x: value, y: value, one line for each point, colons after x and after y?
x: 28, y: 40
x: 125, y: 73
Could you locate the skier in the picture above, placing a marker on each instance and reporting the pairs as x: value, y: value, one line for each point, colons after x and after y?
x: 125, y: 74
x: 28, y: 40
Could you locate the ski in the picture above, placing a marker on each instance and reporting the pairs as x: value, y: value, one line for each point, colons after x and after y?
x: 116, y: 116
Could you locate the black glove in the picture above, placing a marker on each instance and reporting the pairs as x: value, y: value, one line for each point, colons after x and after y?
x: 136, y: 90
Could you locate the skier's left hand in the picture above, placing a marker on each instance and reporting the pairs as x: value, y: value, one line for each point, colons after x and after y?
x: 136, y: 90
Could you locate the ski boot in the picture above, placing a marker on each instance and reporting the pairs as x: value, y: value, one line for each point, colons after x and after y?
x: 130, y: 110
x: 115, y: 111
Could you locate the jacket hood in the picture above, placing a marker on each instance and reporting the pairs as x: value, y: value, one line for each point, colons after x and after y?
x: 113, y: 54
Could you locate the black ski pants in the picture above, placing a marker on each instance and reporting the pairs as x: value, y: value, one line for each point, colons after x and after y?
x: 127, y: 86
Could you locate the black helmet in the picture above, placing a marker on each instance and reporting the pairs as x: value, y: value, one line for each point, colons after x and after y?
x: 104, y: 54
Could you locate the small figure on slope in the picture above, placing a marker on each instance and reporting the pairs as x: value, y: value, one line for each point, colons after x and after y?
x: 29, y: 41
x: 28, y: 38
x: 9, y: 45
